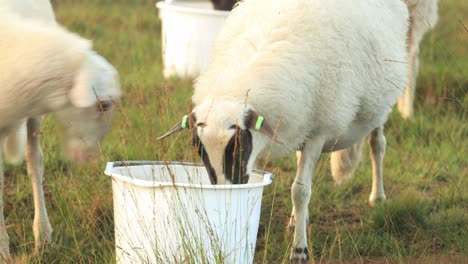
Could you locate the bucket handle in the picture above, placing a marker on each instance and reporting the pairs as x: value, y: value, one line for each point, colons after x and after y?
x: 111, y: 164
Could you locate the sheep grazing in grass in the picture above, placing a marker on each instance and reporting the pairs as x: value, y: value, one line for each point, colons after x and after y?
x: 310, y: 76
x: 423, y: 17
x: 46, y: 69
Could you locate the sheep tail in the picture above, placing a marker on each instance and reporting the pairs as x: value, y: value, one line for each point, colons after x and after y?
x: 344, y: 162
x: 14, y: 146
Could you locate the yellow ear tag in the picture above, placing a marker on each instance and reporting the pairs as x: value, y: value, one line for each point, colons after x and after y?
x: 184, y: 121
x: 259, y: 123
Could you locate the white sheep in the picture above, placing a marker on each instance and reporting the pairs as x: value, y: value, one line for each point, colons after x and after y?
x: 423, y: 17
x: 313, y: 75
x: 46, y: 69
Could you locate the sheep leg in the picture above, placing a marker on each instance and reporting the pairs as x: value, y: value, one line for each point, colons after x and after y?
x: 4, y: 240
x: 406, y: 101
x: 345, y: 161
x: 377, y: 144
x: 292, y: 220
x: 301, y: 191
x: 35, y: 160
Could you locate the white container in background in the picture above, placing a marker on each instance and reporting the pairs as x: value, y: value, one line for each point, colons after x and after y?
x: 169, y: 212
x: 188, y: 31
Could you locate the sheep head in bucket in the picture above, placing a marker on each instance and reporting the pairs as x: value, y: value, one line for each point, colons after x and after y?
x: 229, y: 135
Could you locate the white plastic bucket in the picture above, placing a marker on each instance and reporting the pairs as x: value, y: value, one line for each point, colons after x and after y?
x: 170, y: 213
x: 188, y: 32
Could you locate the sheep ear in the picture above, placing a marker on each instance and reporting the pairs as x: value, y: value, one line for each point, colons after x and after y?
x: 82, y: 94
x: 258, y: 123
x: 96, y: 80
x: 181, y: 125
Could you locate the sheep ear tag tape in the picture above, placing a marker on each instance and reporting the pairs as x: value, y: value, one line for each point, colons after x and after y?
x: 259, y: 123
x: 184, y: 121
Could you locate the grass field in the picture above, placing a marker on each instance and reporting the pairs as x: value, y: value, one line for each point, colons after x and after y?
x: 425, y: 168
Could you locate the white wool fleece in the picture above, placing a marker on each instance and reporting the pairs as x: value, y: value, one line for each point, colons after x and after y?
x: 38, y: 61
x: 36, y: 9
x: 318, y: 67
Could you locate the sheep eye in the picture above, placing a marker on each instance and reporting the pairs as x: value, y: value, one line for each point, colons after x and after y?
x: 104, y: 106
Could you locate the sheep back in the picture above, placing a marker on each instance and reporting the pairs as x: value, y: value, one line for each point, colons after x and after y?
x: 38, y: 60
x: 319, y: 67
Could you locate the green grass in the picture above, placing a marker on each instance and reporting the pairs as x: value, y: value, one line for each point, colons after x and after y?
x: 426, y: 165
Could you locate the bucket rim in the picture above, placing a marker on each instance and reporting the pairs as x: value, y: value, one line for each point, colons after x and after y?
x: 267, y: 176
x: 190, y: 10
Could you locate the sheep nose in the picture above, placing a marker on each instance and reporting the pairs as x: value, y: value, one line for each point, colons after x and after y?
x: 80, y: 156
x: 246, y: 178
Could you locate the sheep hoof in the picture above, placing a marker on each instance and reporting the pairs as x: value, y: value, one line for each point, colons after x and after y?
x: 299, y: 256
x: 376, y: 200
x: 4, y: 254
x: 337, y: 182
x: 291, y: 223
x: 405, y: 108
x: 4, y: 247
x: 43, y: 246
